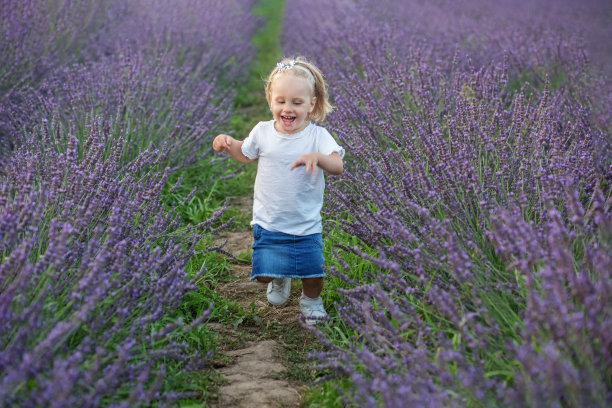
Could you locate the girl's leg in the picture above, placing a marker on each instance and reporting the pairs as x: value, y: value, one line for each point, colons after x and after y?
x: 312, y: 287
x: 264, y: 279
x: 311, y: 302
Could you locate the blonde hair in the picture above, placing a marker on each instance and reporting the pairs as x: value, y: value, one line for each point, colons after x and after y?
x: 322, y: 106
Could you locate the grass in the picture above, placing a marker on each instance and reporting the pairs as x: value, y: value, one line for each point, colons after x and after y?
x: 214, y: 183
x: 250, y: 107
x: 296, y: 346
x: 326, y: 395
x: 250, y: 104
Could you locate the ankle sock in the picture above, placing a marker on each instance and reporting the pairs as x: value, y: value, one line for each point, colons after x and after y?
x: 309, y: 298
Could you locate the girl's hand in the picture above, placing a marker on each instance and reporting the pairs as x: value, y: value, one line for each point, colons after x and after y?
x: 310, y: 160
x: 222, y: 143
x: 233, y: 147
x: 331, y: 163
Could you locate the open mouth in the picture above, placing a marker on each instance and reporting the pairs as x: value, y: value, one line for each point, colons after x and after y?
x: 288, y: 120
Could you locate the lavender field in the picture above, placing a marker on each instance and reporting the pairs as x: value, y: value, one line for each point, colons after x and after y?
x: 102, y: 101
x: 468, y: 242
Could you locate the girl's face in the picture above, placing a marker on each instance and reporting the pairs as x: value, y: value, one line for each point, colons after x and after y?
x: 291, y: 100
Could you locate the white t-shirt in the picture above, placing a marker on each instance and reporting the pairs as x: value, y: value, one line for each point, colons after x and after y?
x: 286, y: 200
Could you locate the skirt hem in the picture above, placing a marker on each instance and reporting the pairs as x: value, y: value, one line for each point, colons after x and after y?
x: 274, y: 275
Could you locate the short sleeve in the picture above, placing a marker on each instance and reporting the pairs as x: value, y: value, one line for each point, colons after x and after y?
x: 250, y: 145
x: 327, y: 144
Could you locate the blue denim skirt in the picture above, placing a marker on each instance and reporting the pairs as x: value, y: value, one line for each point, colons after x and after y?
x: 280, y: 255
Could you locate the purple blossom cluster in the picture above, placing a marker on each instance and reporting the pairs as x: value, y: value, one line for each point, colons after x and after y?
x: 477, y: 187
x: 101, y: 102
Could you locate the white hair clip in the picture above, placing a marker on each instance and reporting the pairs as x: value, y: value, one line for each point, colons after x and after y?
x: 293, y: 64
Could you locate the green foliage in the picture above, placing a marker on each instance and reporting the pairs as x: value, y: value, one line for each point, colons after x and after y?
x: 360, y: 270
x: 266, y: 40
x: 216, y: 182
x: 326, y: 395
x: 250, y: 104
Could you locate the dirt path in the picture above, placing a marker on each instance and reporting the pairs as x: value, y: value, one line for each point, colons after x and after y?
x: 253, y: 376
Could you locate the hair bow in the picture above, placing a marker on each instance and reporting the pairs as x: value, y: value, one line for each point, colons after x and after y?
x: 293, y: 64
x: 281, y: 66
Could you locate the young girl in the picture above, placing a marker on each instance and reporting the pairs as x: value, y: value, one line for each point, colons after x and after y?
x: 288, y: 194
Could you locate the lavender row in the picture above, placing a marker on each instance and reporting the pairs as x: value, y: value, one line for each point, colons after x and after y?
x: 480, y: 202
x: 535, y: 40
x: 99, y: 98
x: 91, y: 263
x: 38, y: 35
x: 447, y: 324
x: 165, y: 73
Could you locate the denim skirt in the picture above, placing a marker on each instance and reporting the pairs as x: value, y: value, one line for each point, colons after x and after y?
x: 280, y: 255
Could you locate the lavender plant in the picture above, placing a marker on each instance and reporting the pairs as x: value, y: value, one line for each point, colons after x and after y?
x: 92, y: 270
x: 38, y: 35
x: 451, y: 160
x: 564, y: 263
x: 95, y: 269
x: 150, y: 101
x: 165, y: 73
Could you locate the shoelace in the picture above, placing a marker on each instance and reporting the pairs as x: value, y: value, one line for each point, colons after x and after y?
x: 278, y: 284
x: 316, y: 307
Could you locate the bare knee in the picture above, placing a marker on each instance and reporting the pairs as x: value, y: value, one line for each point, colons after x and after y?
x: 264, y: 279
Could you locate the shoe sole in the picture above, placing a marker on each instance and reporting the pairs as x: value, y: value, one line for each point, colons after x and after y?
x: 312, y: 322
x: 278, y: 304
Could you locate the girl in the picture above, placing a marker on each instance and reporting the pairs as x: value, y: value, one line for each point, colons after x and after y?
x: 289, y: 186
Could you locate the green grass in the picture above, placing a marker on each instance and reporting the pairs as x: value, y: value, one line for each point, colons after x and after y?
x: 326, y: 395
x: 251, y: 104
x: 250, y: 107
x: 211, y: 192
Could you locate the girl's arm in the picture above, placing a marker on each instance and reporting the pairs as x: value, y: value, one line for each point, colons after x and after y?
x: 233, y: 147
x: 331, y: 163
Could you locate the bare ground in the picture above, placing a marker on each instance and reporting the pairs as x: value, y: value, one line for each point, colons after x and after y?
x: 251, y: 366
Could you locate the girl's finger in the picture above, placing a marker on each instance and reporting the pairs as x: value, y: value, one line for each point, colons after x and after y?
x: 295, y: 164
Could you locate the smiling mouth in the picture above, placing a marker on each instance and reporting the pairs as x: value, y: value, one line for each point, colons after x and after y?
x: 288, y: 120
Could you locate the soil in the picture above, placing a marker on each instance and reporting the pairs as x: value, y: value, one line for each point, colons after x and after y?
x: 251, y: 362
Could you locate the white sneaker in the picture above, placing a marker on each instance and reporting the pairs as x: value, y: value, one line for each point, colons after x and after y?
x: 312, y: 309
x: 278, y: 291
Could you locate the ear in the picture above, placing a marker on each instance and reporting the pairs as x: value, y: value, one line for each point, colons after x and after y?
x: 313, y: 102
